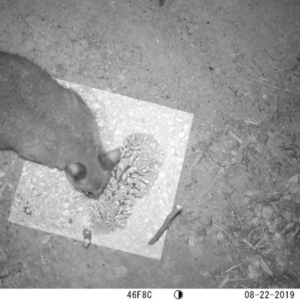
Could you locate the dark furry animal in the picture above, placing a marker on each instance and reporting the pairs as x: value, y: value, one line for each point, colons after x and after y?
x: 48, y: 124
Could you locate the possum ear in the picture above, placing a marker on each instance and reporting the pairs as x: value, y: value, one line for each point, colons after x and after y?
x: 109, y: 159
x: 76, y: 170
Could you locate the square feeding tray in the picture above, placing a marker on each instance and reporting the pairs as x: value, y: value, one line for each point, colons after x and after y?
x: 153, y: 140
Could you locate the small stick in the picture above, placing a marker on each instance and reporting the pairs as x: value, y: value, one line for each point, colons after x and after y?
x: 234, y: 136
x: 249, y: 244
x: 200, y: 156
x: 259, y: 243
x: 3, y: 188
x: 260, y: 81
x: 233, y: 240
x: 165, y: 225
x: 196, y: 161
x: 227, y: 197
x: 251, y: 122
x: 232, y: 268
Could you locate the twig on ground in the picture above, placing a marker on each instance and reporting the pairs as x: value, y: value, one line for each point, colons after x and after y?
x: 232, y: 268
x: 251, y: 122
x: 259, y: 243
x: 165, y: 225
x: 3, y: 188
x: 196, y: 161
x: 260, y: 81
x: 235, y: 137
x: 228, y: 199
x: 249, y: 244
x: 233, y: 240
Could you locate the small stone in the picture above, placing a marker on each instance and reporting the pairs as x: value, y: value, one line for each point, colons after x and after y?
x: 192, y: 241
x: 294, y: 179
x: 254, y: 269
x: 267, y: 212
x: 295, y: 190
x: 220, y: 236
x: 255, y: 220
x: 27, y: 210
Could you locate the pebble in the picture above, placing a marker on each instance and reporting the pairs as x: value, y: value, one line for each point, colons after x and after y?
x: 267, y: 212
x: 220, y: 236
x: 192, y: 241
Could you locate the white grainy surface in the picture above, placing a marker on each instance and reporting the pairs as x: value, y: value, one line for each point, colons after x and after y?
x: 53, y: 206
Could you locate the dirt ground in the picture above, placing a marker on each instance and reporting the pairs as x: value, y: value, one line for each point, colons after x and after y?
x: 236, y: 66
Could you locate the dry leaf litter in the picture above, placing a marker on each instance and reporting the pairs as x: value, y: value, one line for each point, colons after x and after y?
x: 257, y: 177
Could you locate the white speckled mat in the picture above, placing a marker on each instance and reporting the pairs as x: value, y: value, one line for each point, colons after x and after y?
x: 45, y: 200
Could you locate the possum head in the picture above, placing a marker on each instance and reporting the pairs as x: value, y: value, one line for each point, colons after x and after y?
x: 91, y: 176
x: 46, y: 123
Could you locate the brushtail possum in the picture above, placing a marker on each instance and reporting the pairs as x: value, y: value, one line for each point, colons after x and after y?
x: 48, y: 124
